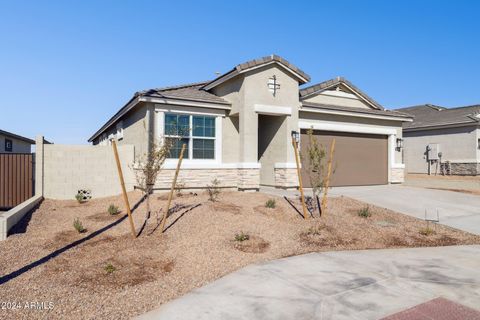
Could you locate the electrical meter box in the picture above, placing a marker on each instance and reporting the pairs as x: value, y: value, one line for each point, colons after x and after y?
x: 433, y: 150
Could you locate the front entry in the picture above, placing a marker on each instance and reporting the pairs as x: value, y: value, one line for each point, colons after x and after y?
x: 359, y: 159
x: 271, y: 146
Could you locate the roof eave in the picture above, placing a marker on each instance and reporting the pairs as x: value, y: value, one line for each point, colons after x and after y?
x: 441, y: 126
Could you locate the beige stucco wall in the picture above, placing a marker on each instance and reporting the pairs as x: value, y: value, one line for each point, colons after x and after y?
x: 69, y: 168
x: 344, y: 101
x: 19, y: 146
x: 456, y: 145
x: 135, y: 125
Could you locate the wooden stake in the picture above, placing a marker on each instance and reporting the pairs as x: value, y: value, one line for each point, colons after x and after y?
x: 174, y: 182
x: 302, y: 197
x: 124, y: 191
x: 327, y: 181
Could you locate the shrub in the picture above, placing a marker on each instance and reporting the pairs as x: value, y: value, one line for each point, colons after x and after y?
x: 240, y: 237
x: 364, y: 212
x: 315, y: 231
x: 113, y: 210
x: 427, y: 231
x: 178, y: 188
x: 79, y: 197
x: 109, y: 268
x: 213, y: 190
x: 270, y: 203
x: 77, y: 224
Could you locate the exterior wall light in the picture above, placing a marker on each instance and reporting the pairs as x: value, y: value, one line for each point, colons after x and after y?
x: 399, y: 144
x: 296, y: 136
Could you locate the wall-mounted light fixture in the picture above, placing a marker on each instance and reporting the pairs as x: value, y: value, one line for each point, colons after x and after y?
x: 296, y: 136
x: 399, y: 144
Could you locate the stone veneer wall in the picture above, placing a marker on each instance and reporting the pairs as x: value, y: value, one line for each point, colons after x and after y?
x: 397, y: 175
x: 465, y: 168
x: 199, y: 178
x: 286, y: 178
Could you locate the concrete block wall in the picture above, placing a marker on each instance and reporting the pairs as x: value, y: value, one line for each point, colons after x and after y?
x: 69, y: 168
x: 465, y: 168
x: 397, y: 175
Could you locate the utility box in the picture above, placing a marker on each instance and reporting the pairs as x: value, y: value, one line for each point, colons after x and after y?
x: 432, y: 151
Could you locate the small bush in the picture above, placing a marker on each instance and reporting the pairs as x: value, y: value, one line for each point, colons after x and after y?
x: 77, y: 224
x: 178, y: 188
x: 427, y: 231
x: 79, y: 197
x: 113, y: 210
x: 213, y: 190
x: 315, y: 231
x: 109, y: 268
x: 364, y: 212
x: 240, y: 237
x: 270, y: 203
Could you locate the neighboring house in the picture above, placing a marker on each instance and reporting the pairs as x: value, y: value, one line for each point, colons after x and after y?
x: 239, y: 127
x: 13, y: 143
x: 438, y: 136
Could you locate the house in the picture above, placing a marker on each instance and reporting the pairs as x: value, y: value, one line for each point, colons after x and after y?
x: 13, y: 143
x: 442, y: 138
x: 240, y: 126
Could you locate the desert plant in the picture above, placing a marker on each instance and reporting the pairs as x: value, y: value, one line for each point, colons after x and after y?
x: 109, y: 268
x: 213, y: 190
x: 113, y: 210
x: 270, y: 203
x: 240, y: 237
x: 427, y: 231
x: 364, y: 212
x: 178, y: 188
x: 77, y: 224
x: 79, y: 197
x: 315, y: 231
x: 148, y: 167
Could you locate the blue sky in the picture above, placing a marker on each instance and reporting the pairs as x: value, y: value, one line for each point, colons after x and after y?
x: 67, y: 66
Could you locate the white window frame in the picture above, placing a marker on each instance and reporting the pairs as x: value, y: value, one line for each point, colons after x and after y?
x: 190, y: 162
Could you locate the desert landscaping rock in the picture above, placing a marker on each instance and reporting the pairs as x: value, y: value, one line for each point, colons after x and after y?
x: 47, y: 260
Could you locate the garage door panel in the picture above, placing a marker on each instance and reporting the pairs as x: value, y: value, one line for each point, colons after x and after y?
x: 359, y: 159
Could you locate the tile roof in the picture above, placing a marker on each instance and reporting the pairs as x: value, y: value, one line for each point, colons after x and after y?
x: 190, y: 91
x: 390, y: 113
x: 428, y: 115
x: 256, y: 63
x: 319, y: 87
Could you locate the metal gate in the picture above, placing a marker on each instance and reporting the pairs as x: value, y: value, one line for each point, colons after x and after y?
x: 16, y: 178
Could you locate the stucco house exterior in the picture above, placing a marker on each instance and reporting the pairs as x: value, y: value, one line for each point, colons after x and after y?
x: 240, y: 125
x: 14, y: 143
x: 440, y: 137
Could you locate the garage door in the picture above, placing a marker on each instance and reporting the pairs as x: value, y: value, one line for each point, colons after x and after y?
x: 359, y: 159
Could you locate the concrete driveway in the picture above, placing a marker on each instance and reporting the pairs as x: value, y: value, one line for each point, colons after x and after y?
x: 456, y: 209
x: 335, y: 285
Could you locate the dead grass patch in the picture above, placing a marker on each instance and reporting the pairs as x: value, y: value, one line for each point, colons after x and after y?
x: 254, y: 244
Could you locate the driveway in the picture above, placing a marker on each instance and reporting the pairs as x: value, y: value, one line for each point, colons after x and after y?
x: 455, y: 209
x: 335, y: 285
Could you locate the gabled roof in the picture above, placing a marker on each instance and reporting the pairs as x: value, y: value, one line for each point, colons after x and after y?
x: 188, y: 92
x: 322, y: 86
x: 428, y: 115
x: 256, y: 63
x: 388, y: 113
x: 16, y: 136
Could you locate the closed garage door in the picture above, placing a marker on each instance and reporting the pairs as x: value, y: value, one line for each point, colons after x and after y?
x: 359, y: 159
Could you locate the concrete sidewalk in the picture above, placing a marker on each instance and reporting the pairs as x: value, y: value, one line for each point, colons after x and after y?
x: 456, y: 209
x: 367, y: 284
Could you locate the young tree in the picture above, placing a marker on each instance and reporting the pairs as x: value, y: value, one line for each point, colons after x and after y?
x: 149, y: 166
x: 316, y: 157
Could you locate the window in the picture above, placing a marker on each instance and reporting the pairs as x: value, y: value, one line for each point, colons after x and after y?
x: 8, y: 145
x: 200, y: 139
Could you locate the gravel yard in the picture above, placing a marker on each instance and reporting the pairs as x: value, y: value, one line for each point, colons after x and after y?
x: 465, y: 184
x: 105, y: 274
